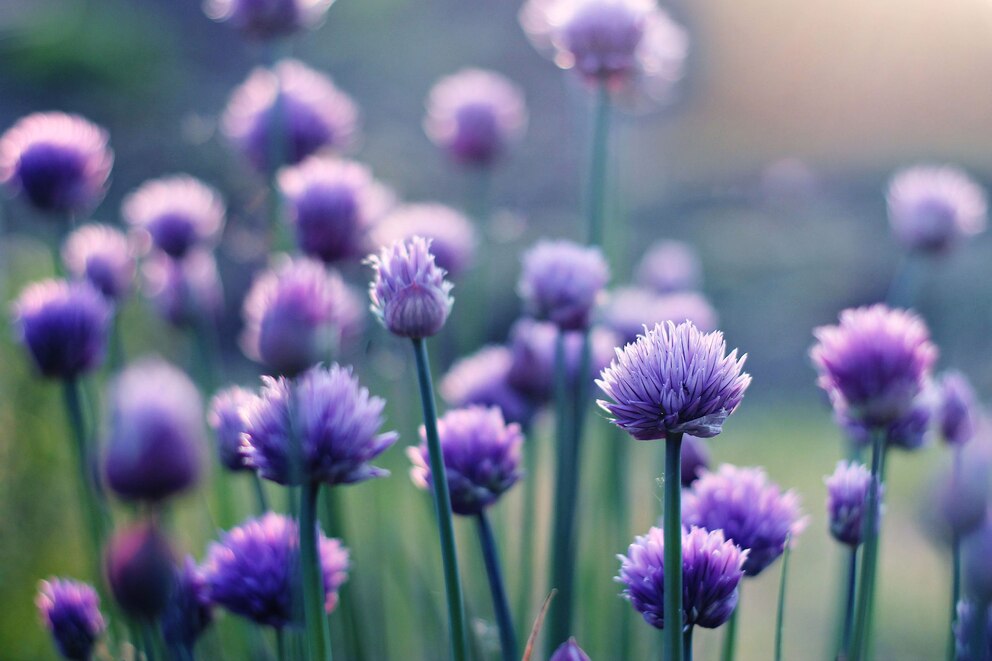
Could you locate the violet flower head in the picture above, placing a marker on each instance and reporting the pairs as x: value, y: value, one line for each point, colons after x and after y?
x: 141, y: 571
x: 847, y: 500
x: 968, y: 617
x: 874, y: 363
x: 70, y: 610
x: 712, y: 569
x: 932, y: 208
x: 410, y: 294
x: 155, y: 432
x: 59, y: 162
x: 185, y: 292
x: 296, y: 314
x: 673, y: 380
x: 912, y: 430
x: 483, y: 378
x: 562, y: 281
x: 453, y: 238
x: 569, y: 651
x: 629, y: 309
x: 474, y: 115
x: 750, y: 510
x: 252, y: 571
x: 670, y: 266
x: 332, y: 204
x: 175, y: 214
x: 957, y: 409
x: 695, y: 460
x: 956, y: 501
x: 481, y: 457
x: 312, y: 113
x: 102, y: 255
x: 189, y: 612
x: 337, y: 422
x: 227, y: 418
x: 266, y: 20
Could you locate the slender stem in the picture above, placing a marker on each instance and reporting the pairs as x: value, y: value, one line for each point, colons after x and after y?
x: 687, y: 643
x: 730, y: 637
x: 673, y: 547
x: 281, y: 645
x: 780, y: 614
x: 260, y: 498
x: 978, y: 642
x: 507, y: 639
x: 442, y: 505
x: 848, y: 615
x: 525, y: 557
x: 313, y: 582
x: 955, y: 567
x: 148, y: 641
x: 596, y: 186
x: 618, y: 449
x: 869, y: 555
x: 89, y: 488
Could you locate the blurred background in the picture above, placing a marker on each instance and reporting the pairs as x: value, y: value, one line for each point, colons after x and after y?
x: 772, y: 162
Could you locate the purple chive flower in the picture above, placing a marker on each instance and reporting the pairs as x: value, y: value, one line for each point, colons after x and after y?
x: 481, y: 457
x: 673, y: 380
x: 59, y: 162
x: 313, y: 113
x: 670, y: 266
x: 976, y: 563
x: 910, y: 431
x: 562, y: 282
x: 712, y: 569
x: 569, y: 651
x: 70, y: 611
x: 185, y: 292
x: 847, y: 499
x: 188, y: 613
x: 102, y: 255
x: 695, y: 460
x: 874, y: 363
x: 629, y: 309
x: 957, y: 500
x: 474, y: 115
x: 332, y: 204
x: 483, y: 379
x: 336, y: 422
x: 175, y: 214
x: 409, y: 293
x: 932, y: 208
x: 957, y: 409
x: 156, y: 432
x: 751, y: 511
x: 228, y: 420
x: 297, y: 314
x: 266, y: 20
x: 967, y: 620
x: 452, y: 236
x: 252, y: 571
x: 141, y: 571
x: 63, y: 325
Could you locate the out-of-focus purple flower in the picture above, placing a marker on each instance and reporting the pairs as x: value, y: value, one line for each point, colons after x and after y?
x: 481, y: 457
x: 483, y: 379
x: 63, y: 325
x: 296, y: 314
x: 185, y: 291
x: 336, y: 422
x: 629, y: 309
x: 102, y: 255
x: 957, y: 500
x: 569, y: 651
x: 874, y: 363
x: 228, y: 421
x: 253, y: 570
x: 712, y: 569
x: 70, y: 611
x: 847, y: 500
x: 957, y: 409
x: 474, y: 115
x: 532, y: 344
x: 673, y: 380
x: 188, y: 613
x: 156, y: 432
x: 964, y: 632
x: 175, y: 214
x: 409, y: 292
x: 751, y: 511
x: 562, y: 282
x: 976, y: 563
x: 310, y: 112
x: 452, y: 236
x: 695, y: 459
x: 932, y: 208
x: 910, y: 431
x: 670, y: 266
x: 268, y: 19
x: 141, y: 571
x: 59, y: 162
x: 332, y: 204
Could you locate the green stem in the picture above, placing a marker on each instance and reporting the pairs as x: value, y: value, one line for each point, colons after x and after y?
x: 442, y: 505
x: 848, y: 614
x: 525, y: 558
x: 780, y: 613
x: 729, y: 650
x: 955, y: 568
x: 260, y: 498
x: 869, y: 555
x: 281, y: 645
x: 673, y: 547
x: 313, y: 582
x: 687, y: 643
x: 91, y: 495
x: 598, y: 158
x: 618, y: 450
x: 490, y: 554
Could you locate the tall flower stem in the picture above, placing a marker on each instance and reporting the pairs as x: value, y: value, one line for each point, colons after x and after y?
x: 261, y: 500
x: 442, y: 505
x: 525, y: 557
x: 955, y: 567
x: 318, y: 637
x: 687, y: 643
x: 848, y: 614
x: 780, y: 612
x: 673, y: 547
x: 869, y: 554
x: 507, y: 639
x: 730, y: 637
x: 598, y: 161
x: 91, y: 497
x: 619, y: 466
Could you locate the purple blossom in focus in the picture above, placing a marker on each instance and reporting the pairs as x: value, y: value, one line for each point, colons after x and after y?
x: 452, y: 235
x: 266, y: 20
x: 483, y: 379
x: 712, y: 569
x: 695, y: 459
x: 474, y: 115
x: 957, y: 409
x: 141, y: 571
x: 188, y: 613
x: 629, y: 309
x: 185, y: 292
x: 175, y: 214
x: 63, y: 325
x: 932, y: 208
x: 750, y: 510
x: 847, y: 500
x: 228, y: 421
x: 964, y: 632
x: 59, y: 162
x: 102, y: 255
x: 481, y: 457
x: 409, y: 292
x: 670, y: 266
x: 70, y: 610
x: 569, y: 651
x: 562, y: 282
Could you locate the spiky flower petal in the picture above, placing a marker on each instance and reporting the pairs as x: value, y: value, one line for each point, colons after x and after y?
x: 409, y: 292
x: 70, y: 611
